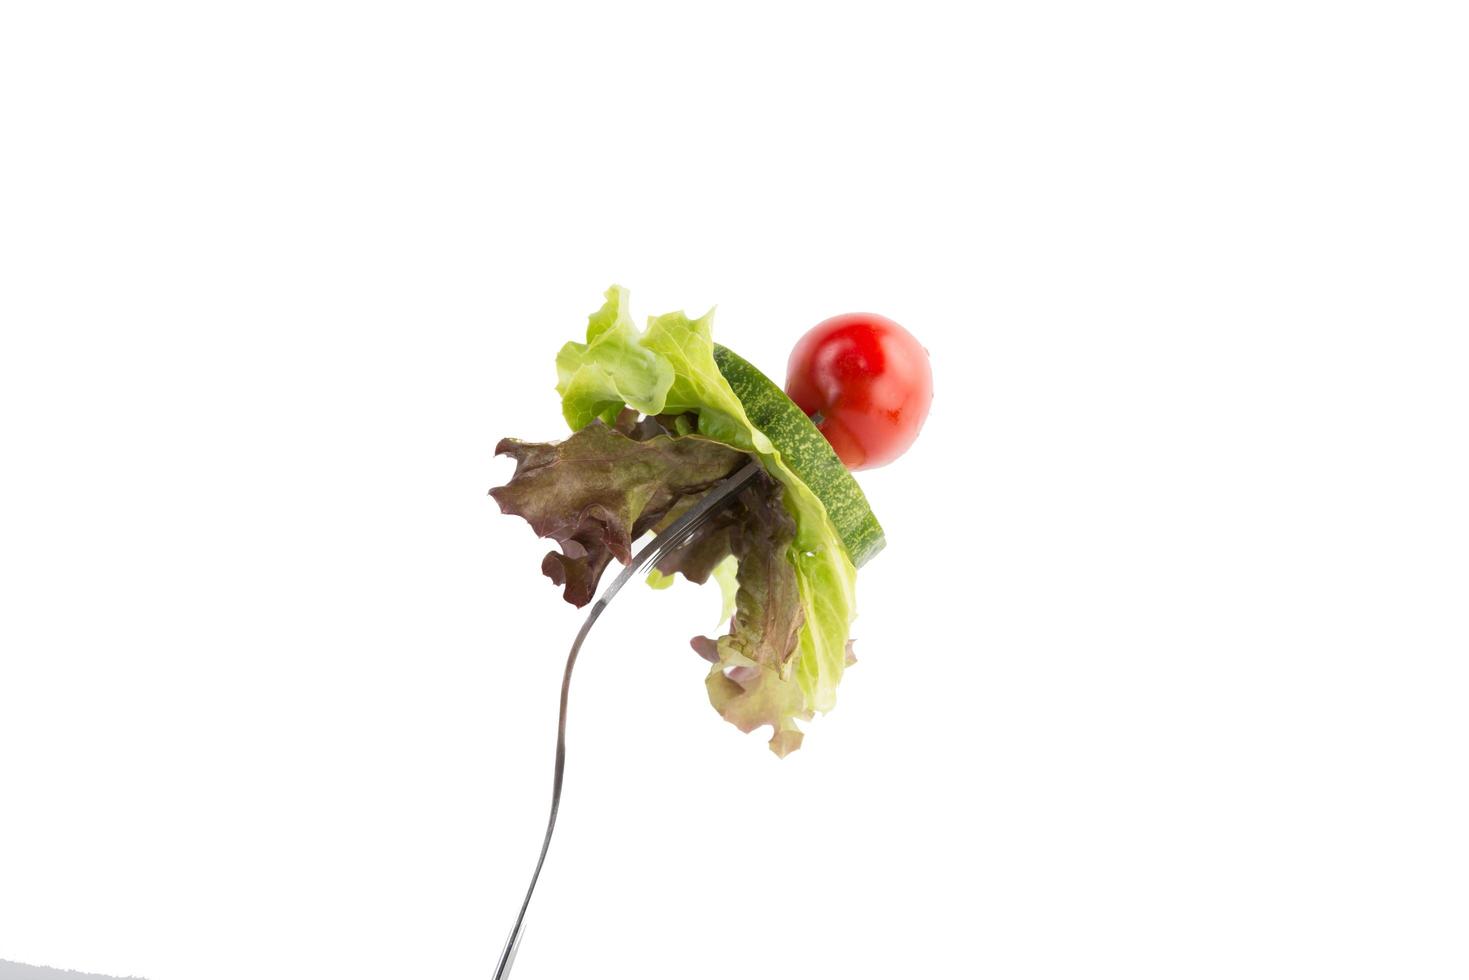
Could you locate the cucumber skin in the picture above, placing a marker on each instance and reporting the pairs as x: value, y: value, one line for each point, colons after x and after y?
x: 808, y: 454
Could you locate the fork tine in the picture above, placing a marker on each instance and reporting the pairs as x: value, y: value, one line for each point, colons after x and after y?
x: 676, y: 535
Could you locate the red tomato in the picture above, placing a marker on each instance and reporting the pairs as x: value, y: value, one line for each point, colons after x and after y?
x: 867, y: 384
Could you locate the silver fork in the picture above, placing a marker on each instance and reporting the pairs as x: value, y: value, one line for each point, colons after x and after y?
x: 672, y: 537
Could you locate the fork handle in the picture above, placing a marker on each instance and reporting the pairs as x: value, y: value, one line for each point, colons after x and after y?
x: 671, y: 537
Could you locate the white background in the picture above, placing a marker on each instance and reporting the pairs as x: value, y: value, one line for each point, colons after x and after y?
x: 1163, y: 673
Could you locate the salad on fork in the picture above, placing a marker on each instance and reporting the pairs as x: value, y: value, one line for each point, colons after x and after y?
x: 739, y: 481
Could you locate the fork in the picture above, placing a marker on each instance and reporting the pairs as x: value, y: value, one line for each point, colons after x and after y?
x: 673, y: 536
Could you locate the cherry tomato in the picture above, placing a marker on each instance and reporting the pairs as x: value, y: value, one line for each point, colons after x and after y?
x: 867, y: 384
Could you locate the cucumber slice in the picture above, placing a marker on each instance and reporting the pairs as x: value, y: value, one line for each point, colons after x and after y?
x: 806, y: 451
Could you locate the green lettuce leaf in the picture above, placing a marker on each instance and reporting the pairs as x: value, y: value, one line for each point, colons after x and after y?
x: 657, y: 580
x: 726, y: 576
x: 611, y: 370
x: 825, y: 578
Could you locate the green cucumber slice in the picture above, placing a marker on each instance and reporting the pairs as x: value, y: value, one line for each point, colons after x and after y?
x: 806, y: 451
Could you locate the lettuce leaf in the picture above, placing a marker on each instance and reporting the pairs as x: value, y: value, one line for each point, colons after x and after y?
x: 600, y: 490
x: 611, y: 370
x: 726, y: 576
x: 596, y: 380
